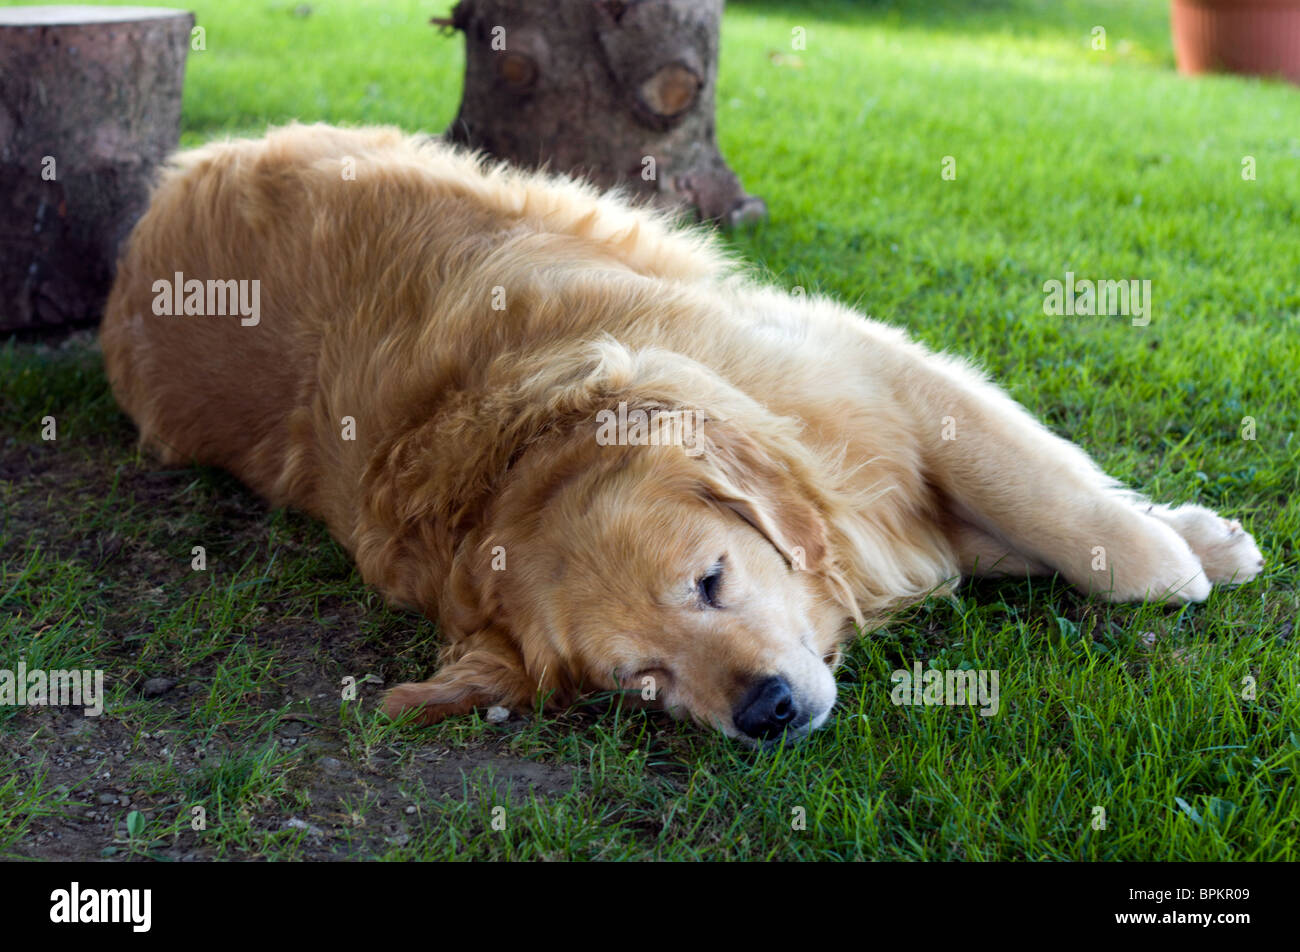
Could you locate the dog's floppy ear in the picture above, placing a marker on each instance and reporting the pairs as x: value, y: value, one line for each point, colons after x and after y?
x: 766, y: 492
x: 485, y: 670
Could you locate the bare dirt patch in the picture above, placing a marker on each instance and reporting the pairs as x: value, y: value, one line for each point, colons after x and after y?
x: 162, y: 746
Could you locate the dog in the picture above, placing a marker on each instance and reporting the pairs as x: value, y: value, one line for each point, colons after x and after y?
x: 583, y: 440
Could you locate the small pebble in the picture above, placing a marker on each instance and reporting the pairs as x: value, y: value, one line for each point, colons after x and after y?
x: 294, y: 823
x: 498, y: 715
x: 157, y: 687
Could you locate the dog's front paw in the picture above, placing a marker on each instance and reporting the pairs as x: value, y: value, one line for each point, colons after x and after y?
x: 1146, y: 560
x: 1227, y: 551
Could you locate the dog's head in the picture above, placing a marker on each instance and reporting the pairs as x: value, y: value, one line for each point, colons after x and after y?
x: 657, y: 550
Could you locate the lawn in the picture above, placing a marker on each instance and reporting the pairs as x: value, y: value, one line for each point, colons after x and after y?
x: 225, y: 706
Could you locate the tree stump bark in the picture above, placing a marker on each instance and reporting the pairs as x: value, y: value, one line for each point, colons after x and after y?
x: 620, y: 92
x: 90, y: 104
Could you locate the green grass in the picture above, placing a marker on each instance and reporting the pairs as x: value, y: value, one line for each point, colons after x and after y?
x: 1104, y: 163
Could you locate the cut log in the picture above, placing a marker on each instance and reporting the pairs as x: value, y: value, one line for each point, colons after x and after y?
x: 620, y: 92
x: 90, y: 104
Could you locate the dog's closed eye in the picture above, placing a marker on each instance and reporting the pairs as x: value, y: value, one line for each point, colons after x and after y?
x: 709, y: 585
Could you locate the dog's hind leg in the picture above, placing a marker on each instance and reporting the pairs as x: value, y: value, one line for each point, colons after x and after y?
x: 982, y: 555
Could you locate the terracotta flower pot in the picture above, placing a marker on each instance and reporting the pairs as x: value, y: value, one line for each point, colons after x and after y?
x: 1260, y: 37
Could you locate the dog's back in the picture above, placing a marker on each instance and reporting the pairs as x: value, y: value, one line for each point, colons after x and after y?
x: 276, y: 285
x: 205, y: 379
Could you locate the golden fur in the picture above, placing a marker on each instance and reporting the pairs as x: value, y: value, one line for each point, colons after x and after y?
x: 837, y: 469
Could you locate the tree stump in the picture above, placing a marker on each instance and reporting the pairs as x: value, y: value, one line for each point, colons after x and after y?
x: 620, y: 92
x: 90, y: 104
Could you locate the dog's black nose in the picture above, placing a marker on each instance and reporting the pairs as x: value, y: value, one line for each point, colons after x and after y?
x: 766, y: 709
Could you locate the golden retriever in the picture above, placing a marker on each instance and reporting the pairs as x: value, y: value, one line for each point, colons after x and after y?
x: 586, y: 443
